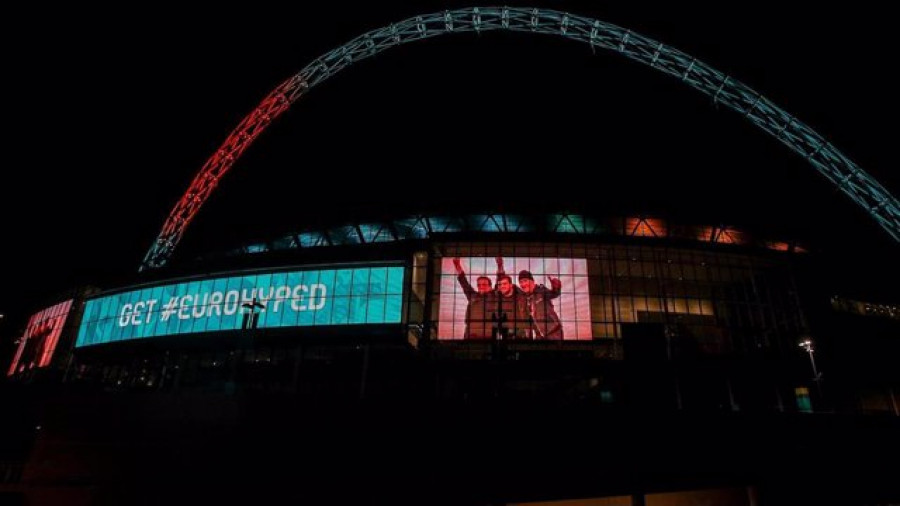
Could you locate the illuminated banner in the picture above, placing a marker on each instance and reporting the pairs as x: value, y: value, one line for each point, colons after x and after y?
x: 514, y: 298
x: 41, y: 335
x: 283, y: 299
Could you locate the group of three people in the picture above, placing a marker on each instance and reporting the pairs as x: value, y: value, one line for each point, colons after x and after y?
x: 508, y: 311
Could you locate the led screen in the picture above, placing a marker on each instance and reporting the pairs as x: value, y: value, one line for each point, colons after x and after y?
x: 36, y: 347
x: 366, y: 295
x: 514, y: 298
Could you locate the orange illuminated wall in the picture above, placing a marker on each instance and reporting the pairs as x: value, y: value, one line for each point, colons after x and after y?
x: 41, y: 335
x: 721, y: 235
x: 778, y: 246
x: 645, y: 227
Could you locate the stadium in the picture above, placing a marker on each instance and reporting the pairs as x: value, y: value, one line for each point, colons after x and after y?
x: 477, y: 357
x: 686, y: 291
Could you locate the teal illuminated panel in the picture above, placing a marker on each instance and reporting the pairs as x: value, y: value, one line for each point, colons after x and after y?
x: 367, y: 295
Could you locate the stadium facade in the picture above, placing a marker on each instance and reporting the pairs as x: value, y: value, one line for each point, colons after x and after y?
x: 628, y: 286
x: 637, y: 329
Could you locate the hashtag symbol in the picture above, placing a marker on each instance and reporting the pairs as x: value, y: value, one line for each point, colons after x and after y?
x: 169, y: 308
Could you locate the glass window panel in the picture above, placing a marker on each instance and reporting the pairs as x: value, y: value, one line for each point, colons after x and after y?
x: 248, y: 288
x: 343, y: 283
x: 230, y: 305
x: 265, y: 289
x: 579, y: 285
x: 126, y: 332
x: 625, y: 309
x: 323, y: 316
x: 604, y: 330
x: 306, y: 316
x: 200, y: 322
x: 556, y: 267
x: 268, y: 317
x: 289, y: 314
x: 312, y: 277
x: 292, y: 279
x: 107, y: 307
x: 357, y: 310
x: 392, y: 310
x: 341, y: 311
x: 186, y: 320
x: 377, y: 280
x: 360, y: 282
x: 375, y: 309
x: 395, y: 280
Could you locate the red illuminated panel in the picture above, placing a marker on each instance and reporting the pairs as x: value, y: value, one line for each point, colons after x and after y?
x: 41, y: 335
x: 778, y: 246
x: 645, y: 227
x: 721, y: 235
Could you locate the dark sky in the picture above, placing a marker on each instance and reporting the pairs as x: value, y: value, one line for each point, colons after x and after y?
x: 111, y: 120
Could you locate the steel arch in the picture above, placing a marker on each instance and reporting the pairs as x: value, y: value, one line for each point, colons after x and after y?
x: 840, y: 170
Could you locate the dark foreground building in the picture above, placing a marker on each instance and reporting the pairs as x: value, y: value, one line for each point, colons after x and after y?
x: 645, y: 363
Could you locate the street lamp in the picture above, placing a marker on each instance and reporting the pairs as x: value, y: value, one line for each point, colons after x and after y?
x: 251, y: 313
x: 807, y: 345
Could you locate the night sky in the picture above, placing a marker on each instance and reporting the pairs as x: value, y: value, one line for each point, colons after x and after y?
x: 110, y: 122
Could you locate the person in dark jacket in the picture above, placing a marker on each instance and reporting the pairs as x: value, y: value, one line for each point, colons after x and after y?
x: 544, y: 321
x: 481, y: 303
x: 511, y: 313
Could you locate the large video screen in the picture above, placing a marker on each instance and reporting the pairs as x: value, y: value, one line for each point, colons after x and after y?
x: 368, y: 295
x: 514, y: 298
x: 36, y: 347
